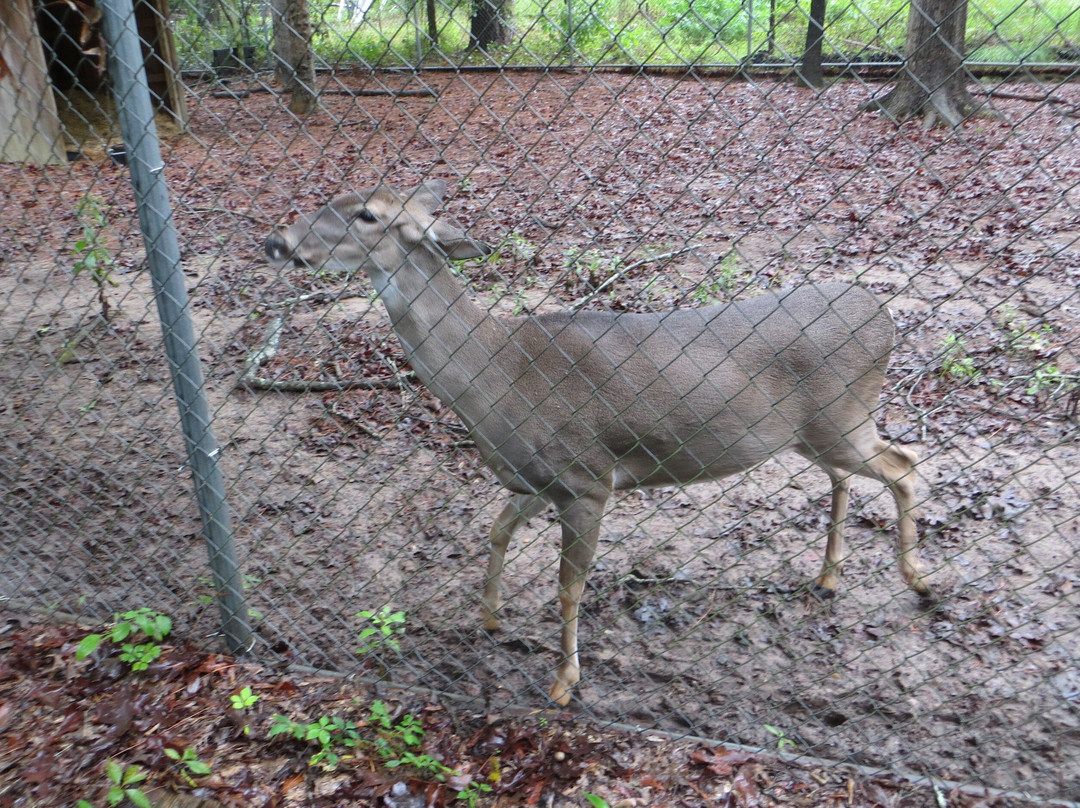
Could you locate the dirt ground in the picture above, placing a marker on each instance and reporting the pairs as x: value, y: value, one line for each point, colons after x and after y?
x: 697, y: 619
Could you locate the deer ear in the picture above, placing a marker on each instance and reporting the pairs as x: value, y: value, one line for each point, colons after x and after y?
x: 454, y: 243
x: 430, y: 195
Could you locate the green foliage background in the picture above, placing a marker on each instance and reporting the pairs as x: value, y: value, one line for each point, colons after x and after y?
x: 605, y: 32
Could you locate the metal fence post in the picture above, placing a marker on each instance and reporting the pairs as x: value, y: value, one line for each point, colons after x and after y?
x: 163, y: 256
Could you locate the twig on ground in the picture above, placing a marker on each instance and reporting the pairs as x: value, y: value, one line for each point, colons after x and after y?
x: 269, y: 348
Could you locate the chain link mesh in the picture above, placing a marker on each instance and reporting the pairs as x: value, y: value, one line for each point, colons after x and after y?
x: 622, y: 157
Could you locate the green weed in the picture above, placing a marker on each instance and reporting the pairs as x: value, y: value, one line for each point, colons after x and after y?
x: 91, y: 255
x: 124, y: 786
x: 153, y: 626
x: 956, y: 364
x: 384, y: 626
x: 189, y: 763
x: 783, y: 742
x: 328, y: 732
x: 244, y: 699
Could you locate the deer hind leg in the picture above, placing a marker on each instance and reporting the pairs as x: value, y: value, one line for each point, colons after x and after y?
x: 520, y: 509
x: 895, y: 467
x: 869, y: 456
x: 581, y: 528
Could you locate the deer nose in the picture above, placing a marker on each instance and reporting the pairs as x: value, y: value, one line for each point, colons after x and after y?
x: 277, y: 248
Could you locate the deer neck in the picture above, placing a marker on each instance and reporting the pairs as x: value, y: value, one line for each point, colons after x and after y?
x: 446, y: 336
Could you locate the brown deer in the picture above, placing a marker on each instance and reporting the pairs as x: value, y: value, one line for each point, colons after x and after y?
x: 566, y: 408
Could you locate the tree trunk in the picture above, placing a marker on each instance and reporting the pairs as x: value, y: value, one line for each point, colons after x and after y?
x: 810, y: 71
x: 489, y: 25
x: 293, y: 55
x: 933, y: 81
x: 432, y: 24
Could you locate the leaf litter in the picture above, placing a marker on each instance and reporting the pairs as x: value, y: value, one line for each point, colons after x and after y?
x: 62, y: 723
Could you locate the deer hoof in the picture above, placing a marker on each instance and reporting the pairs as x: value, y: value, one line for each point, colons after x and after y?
x: 492, y: 623
x: 559, y: 693
x: 822, y: 592
x: 565, y: 679
x: 927, y: 592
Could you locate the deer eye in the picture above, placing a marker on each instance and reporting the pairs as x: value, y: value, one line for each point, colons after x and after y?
x: 366, y: 215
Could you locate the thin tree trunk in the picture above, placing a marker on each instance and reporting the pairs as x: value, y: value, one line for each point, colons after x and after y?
x: 810, y: 71
x: 294, y: 58
x: 432, y: 24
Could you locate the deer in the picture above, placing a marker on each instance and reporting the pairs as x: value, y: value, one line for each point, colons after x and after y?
x: 566, y: 408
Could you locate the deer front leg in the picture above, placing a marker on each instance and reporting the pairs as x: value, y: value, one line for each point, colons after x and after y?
x: 829, y: 579
x: 520, y: 509
x: 581, y: 528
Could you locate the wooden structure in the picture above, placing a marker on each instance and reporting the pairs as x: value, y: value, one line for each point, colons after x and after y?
x: 30, y: 128
x: 162, y: 65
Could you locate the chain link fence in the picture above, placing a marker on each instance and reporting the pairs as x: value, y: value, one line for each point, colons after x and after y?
x: 358, y: 504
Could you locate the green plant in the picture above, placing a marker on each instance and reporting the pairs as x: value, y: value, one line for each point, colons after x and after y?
x: 956, y: 364
x: 517, y: 246
x: 244, y: 699
x: 1032, y: 340
x: 241, y: 701
x: 471, y: 793
x: 124, y: 786
x: 587, y: 266
x: 782, y: 740
x: 190, y: 764
x: 384, y: 626
x: 395, y: 741
x: 595, y: 801
x: 91, y: 254
x: 1050, y: 378
x: 726, y: 277
x: 521, y: 302
x: 1024, y: 338
x: 328, y: 732
x: 153, y: 625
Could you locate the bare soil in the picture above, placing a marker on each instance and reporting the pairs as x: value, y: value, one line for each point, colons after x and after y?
x: 697, y: 618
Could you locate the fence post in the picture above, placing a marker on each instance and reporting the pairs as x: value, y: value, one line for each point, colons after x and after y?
x: 136, y: 114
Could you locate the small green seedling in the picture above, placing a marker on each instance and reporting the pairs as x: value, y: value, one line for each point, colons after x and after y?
x: 190, y: 764
x: 470, y: 795
x: 153, y: 625
x: 956, y: 364
x: 1050, y: 378
x: 384, y: 626
x: 783, y: 742
x: 91, y: 255
x: 595, y: 801
x: 244, y: 699
x: 124, y: 786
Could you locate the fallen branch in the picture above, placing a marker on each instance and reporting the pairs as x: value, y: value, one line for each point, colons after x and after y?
x: 297, y: 386
x: 1046, y: 98
x: 318, y: 297
x: 251, y: 379
x: 232, y: 212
